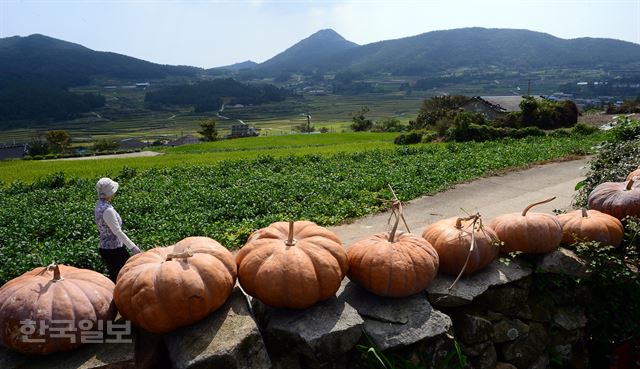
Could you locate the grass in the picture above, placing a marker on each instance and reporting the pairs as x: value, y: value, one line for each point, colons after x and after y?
x: 201, y: 154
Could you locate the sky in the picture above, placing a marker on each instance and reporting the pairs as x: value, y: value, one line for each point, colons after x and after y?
x: 216, y: 33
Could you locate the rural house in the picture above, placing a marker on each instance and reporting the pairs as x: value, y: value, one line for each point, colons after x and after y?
x: 493, y: 107
x: 242, y: 130
x: 184, y: 140
x: 13, y: 151
x: 131, y: 143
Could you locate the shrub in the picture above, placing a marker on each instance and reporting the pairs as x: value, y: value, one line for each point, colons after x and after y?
x: 561, y: 132
x: 388, y: 125
x: 105, y: 144
x: 584, y: 129
x: 408, y: 138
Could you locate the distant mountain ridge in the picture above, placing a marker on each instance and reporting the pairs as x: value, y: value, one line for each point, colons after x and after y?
x: 42, y: 58
x: 321, y: 45
x: 458, y: 48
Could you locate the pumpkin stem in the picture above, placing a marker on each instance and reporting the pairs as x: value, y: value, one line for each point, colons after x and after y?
x: 630, y: 184
x: 180, y: 255
x: 290, y: 241
x: 524, y: 212
x: 584, y: 213
x: 56, y: 272
x: 396, y: 205
x: 476, y: 219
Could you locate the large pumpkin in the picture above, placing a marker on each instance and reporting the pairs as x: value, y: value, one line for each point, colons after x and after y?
x: 292, y: 264
x: 393, y: 264
x: 591, y: 225
x: 528, y: 232
x: 170, y: 287
x: 452, y: 240
x: 53, y: 301
x: 635, y: 175
x: 618, y: 199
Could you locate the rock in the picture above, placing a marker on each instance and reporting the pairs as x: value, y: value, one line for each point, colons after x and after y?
x: 471, y: 329
x: 504, y: 366
x: 541, y: 308
x: 542, y: 362
x: 475, y: 349
x: 519, y: 311
x: 564, y: 262
x: 467, y: 289
x: 320, y: 335
x: 576, y: 295
x: 90, y: 356
x: 508, y: 330
x: 492, y: 316
x: 562, y: 352
x: 151, y: 351
x: 227, y: 338
x: 570, y: 317
x: 502, y: 299
x: 486, y: 360
x: 395, y: 322
x: 528, y: 348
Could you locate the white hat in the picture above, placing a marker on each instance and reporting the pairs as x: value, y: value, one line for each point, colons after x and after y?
x: 106, y: 187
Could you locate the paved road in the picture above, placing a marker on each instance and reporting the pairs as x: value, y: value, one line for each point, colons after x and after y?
x: 490, y: 196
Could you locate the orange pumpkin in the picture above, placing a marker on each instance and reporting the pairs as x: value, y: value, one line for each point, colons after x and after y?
x: 30, y: 302
x: 618, y: 199
x: 452, y: 239
x: 170, y: 287
x: 635, y: 175
x: 292, y: 264
x: 528, y: 232
x: 591, y: 225
x: 393, y: 264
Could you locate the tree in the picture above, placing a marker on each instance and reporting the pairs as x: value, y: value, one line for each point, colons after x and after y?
x: 105, y: 144
x: 305, y: 127
x: 209, y: 131
x: 38, y: 147
x: 437, y: 107
x: 59, y: 141
x: 360, y: 121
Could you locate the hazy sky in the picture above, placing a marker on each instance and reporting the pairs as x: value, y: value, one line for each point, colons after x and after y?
x: 215, y: 33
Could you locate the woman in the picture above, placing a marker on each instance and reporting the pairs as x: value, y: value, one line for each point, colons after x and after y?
x: 111, y: 236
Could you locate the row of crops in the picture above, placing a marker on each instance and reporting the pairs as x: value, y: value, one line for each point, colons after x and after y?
x: 51, y: 219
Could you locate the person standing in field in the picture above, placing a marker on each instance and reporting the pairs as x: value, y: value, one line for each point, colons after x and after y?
x: 109, y: 223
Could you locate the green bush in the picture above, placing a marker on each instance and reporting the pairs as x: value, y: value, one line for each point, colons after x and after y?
x: 584, y: 129
x: 561, y: 132
x: 408, y: 138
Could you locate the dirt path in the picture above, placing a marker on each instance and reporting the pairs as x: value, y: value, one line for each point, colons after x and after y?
x: 490, y: 196
x: 127, y: 155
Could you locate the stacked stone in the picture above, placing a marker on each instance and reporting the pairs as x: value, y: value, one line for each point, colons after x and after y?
x: 522, y: 319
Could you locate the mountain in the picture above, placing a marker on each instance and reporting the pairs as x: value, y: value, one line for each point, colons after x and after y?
x: 42, y: 59
x: 439, y: 51
x: 321, y: 45
x: 248, y: 64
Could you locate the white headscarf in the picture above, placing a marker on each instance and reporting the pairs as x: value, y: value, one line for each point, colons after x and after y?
x: 106, y: 187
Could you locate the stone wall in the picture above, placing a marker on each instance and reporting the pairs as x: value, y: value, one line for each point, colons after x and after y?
x: 518, y: 313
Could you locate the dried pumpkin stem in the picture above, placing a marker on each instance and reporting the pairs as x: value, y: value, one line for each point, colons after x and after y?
x: 584, y: 213
x: 290, y: 241
x: 630, y: 184
x: 396, y: 206
x: 56, y: 272
x: 524, y: 212
x: 476, y: 219
x: 180, y: 255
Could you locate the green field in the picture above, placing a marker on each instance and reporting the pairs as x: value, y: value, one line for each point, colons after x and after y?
x: 187, y: 194
x: 125, y: 117
x: 201, y: 154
